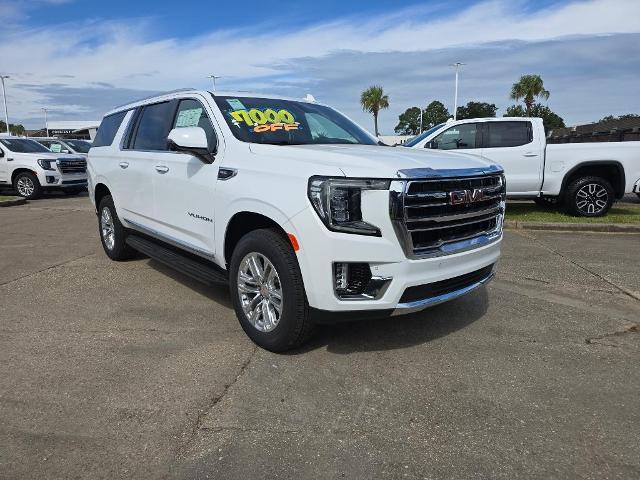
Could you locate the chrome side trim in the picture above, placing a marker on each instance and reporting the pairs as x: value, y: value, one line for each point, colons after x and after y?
x: 417, y: 305
x: 170, y: 240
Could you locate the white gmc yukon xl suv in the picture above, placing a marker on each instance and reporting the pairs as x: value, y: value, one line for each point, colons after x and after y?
x: 31, y: 168
x: 295, y: 207
x: 583, y: 178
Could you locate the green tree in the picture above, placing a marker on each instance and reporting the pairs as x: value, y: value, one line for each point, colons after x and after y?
x: 549, y: 118
x: 619, y: 117
x: 476, y: 110
x: 373, y: 100
x: 528, y: 88
x: 409, y: 122
x: 434, y: 114
x: 15, y: 129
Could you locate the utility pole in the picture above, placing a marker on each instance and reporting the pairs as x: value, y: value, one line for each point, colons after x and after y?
x: 457, y: 66
x: 214, y: 77
x: 46, y: 123
x: 420, y: 119
x: 4, y: 96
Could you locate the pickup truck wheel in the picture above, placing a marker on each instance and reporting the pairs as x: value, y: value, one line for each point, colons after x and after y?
x: 112, y: 233
x: 589, y: 197
x: 267, y: 291
x: 26, y: 184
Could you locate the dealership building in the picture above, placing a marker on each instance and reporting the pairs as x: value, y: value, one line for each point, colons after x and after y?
x: 83, y: 129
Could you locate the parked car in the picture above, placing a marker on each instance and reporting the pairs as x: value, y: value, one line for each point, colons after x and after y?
x: 31, y: 168
x: 586, y: 178
x: 57, y: 145
x: 295, y: 207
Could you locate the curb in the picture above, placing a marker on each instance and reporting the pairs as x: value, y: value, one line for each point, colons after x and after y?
x: 572, y: 227
x: 12, y: 202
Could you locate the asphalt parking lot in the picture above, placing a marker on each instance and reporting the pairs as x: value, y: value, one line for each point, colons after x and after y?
x: 130, y: 370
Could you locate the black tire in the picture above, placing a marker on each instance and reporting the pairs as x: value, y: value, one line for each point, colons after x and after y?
x: 548, y: 202
x: 27, y: 185
x: 118, y: 249
x: 294, y: 326
x: 589, y: 197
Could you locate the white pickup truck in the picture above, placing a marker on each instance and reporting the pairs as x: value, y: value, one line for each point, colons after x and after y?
x: 31, y: 168
x: 584, y: 178
x: 293, y: 206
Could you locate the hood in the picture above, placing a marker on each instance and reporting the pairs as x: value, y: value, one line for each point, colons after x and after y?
x: 59, y: 156
x: 371, y: 160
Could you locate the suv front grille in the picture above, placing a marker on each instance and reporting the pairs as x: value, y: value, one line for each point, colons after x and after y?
x: 440, y: 216
x: 72, y: 166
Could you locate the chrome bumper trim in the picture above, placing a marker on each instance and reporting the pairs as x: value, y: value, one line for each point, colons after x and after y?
x: 416, y: 306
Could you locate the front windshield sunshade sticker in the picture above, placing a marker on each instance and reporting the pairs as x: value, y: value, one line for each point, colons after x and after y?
x: 189, y: 118
x: 267, y: 120
x: 236, y: 104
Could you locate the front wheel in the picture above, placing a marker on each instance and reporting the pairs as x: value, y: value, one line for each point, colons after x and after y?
x: 26, y: 184
x: 112, y: 233
x: 267, y: 291
x: 589, y: 197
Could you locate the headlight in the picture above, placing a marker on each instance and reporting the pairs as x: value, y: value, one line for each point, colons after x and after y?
x: 337, y: 202
x: 45, y: 164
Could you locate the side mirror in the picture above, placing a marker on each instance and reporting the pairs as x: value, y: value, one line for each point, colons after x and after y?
x: 191, y: 140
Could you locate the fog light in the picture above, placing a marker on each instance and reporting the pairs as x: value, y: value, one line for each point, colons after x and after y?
x: 342, y: 276
x: 51, y: 179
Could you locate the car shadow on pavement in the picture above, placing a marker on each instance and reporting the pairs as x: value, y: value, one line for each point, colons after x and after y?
x: 218, y: 293
x: 402, y: 331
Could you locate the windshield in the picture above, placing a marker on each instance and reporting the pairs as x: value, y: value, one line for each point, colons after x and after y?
x: 422, y: 136
x: 287, y: 122
x: 79, y: 146
x: 23, y: 145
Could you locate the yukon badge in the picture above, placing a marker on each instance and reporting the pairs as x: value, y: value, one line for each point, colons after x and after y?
x: 458, y: 197
x: 199, y: 217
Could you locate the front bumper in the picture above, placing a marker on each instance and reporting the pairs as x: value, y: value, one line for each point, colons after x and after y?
x: 55, y: 179
x: 320, y: 249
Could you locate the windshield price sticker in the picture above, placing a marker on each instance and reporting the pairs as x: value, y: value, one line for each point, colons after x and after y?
x: 260, y: 117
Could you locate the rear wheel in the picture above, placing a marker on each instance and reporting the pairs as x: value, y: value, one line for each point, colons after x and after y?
x: 112, y: 233
x: 26, y: 184
x: 589, y: 197
x: 267, y: 291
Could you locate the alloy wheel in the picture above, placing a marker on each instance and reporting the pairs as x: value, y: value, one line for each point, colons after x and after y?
x: 592, y: 198
x: 25, y: 186
x: 260, y: 292
x: 106, y: 226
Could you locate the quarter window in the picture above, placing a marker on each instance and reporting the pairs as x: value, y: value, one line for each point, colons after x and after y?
x: 153, y: 127
x: 191, y: 113
x: 457, y: 137
x: 508, y: 134
x: 108, y: 129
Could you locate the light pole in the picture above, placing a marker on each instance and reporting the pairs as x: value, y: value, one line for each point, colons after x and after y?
x: 214, y: 77
x: 46, y: 123
x: 457, y: 66
x: 4, y: 96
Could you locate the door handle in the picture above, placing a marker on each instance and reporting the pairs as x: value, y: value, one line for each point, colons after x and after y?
x: 162, y: 169
x: 9, y: 159
x: 123, y: 164
x: 530, y: 154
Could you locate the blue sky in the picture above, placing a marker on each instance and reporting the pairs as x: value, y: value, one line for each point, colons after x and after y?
x: 80, y: 58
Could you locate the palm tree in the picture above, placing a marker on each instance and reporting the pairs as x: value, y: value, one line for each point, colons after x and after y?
x: 528, y: 88
x: 373, y: 100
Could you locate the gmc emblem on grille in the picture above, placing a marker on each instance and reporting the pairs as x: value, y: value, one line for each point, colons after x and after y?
x: 458, y: 197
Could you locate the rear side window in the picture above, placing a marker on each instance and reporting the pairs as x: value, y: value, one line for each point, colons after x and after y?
x: 154, y: 126
x: 508, y: 134
x: 108, y: 129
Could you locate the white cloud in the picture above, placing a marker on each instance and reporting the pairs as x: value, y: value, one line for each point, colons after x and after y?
x: 131, y: 55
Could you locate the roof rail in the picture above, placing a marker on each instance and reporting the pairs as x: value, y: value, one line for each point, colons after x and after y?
x: 159, y: 94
